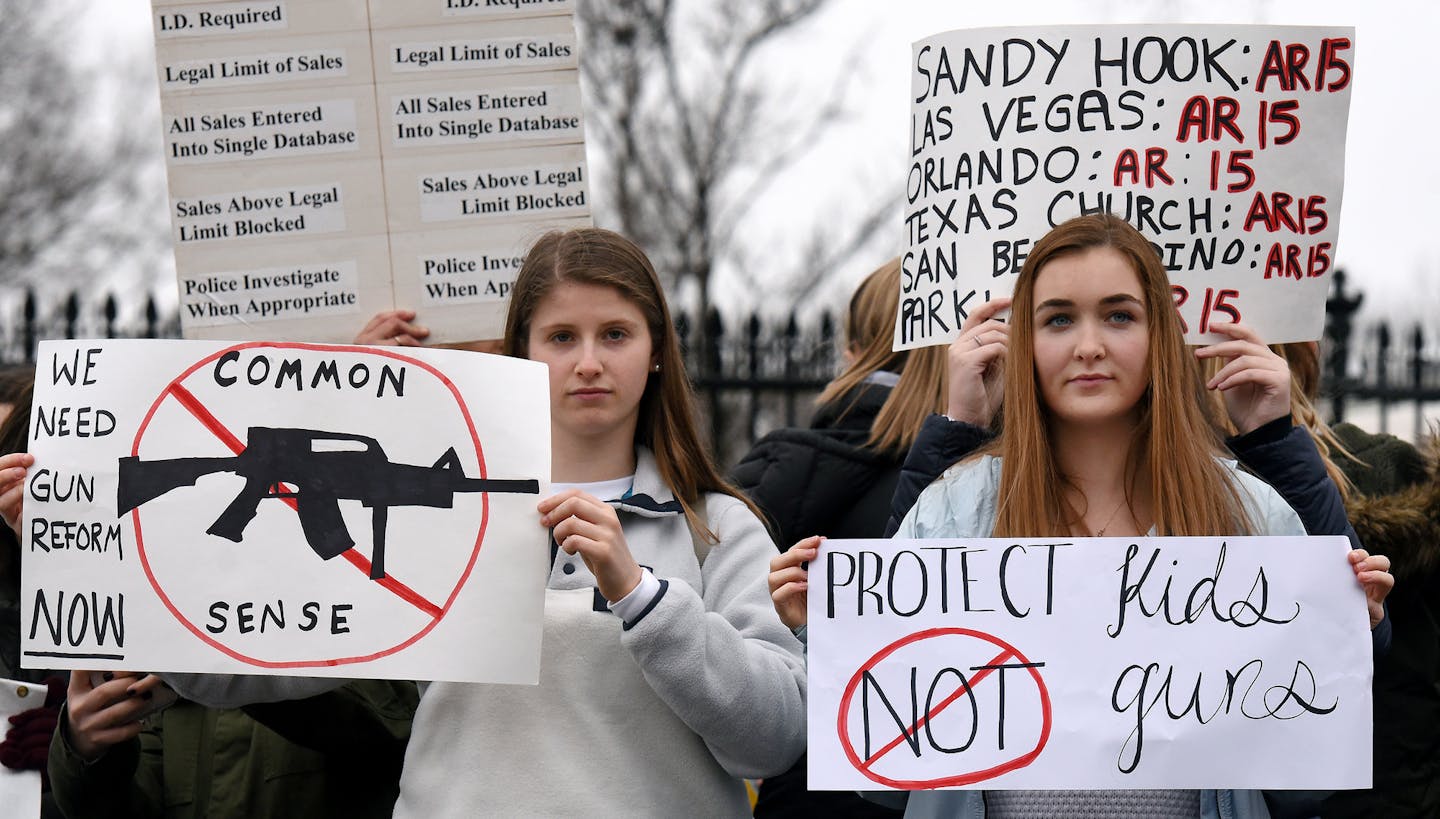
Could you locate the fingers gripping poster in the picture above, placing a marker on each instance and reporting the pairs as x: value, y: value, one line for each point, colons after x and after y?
x: 285, y: 508
x: 1223, y: 145
x: 1088, y: 663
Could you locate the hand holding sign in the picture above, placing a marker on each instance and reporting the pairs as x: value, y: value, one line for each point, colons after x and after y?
x: 977, y: 365
x: 1373, y: 572
x: 12, y: 488
x: 100, y: 716
x: 1254, y: 380
x: 790, y: 581
x: 585, y: 525
x: 393, y: 328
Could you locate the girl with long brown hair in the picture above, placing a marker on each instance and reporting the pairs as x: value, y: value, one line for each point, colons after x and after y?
x: 837, y: 476
x: 1104, y: 434
x: 666, y: 677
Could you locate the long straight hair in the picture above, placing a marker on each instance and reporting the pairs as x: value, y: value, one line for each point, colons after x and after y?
x: 870, y: 335
x: 667, y: 419
x: 1191, y: 492
x: 1304, y: 360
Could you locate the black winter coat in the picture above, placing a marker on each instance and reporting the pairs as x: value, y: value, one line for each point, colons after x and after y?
x: 821, y: 481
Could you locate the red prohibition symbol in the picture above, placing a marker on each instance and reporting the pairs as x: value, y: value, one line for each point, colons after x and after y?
x: 1007, y: 657
x: 428, y: 607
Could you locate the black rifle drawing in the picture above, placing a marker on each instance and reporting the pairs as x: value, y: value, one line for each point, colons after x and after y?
x: 276, y: 459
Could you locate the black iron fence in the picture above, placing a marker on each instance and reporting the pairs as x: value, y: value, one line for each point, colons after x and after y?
x: 1386, y: 364
x: 754, y: 375
x: 24, y: 321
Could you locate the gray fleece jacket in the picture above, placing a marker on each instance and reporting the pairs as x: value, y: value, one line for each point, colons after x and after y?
x: 658, y: 717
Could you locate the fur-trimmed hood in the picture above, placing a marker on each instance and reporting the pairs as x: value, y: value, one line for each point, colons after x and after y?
x: 1404, y: 525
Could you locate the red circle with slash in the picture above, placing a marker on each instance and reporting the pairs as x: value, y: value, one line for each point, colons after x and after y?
x: 434, y: 612
x: 1005, y: 654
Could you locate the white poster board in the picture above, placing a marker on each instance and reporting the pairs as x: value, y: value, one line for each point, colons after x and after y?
x: 1088, y: 663
x: 1223, y: 145
x: 330, y: 159
x: 285, y: 508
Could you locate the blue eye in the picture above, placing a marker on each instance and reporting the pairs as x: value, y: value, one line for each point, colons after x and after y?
x: 1058, y: 320
x: 616, y: 334
x: 561, y: 337
x: 1122, y: 317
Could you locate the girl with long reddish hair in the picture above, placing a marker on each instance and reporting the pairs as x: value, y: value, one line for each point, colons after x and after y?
x: 1104, y: 434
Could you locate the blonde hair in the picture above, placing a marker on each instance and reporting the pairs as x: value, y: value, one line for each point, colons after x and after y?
x: 870, y: 334
x: 1191, y: 492
x: 667, y: 421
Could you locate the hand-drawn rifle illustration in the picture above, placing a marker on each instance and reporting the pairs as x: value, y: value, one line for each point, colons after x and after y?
x: 342, y: 466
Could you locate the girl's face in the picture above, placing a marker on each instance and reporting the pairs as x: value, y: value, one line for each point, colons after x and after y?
x: 1092, y: 337
x: 598, y: 348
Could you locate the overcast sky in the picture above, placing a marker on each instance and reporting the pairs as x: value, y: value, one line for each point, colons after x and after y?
x: 1386, y: 228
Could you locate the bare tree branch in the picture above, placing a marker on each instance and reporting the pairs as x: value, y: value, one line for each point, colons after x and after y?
x: 70, y: 184
x: 824, y: 252
x: 830, y: 112
x: 684, y: 115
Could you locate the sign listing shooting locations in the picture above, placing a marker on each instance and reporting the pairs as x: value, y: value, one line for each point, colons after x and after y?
x: 1223, y: 145
x: 1088, y: 663
x: 273, y: 508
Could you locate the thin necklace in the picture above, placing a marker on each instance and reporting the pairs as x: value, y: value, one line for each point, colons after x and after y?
x: 1111, y: 519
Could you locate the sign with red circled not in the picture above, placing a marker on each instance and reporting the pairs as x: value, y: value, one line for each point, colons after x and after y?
x: 286, y: 508
x: 1084, y: 663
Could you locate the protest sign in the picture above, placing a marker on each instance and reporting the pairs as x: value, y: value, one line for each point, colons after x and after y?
x: 19, y: 790
x: 1223, y: 145
x: 286, y: 508
x: 331, y: 159
x: 1088, y: 663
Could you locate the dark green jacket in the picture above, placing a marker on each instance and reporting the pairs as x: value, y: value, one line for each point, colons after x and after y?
x: 334, y: 755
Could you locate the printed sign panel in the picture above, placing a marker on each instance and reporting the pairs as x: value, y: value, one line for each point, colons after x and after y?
x: 330, y: 137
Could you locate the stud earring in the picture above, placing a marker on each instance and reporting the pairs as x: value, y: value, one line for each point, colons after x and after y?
x: 657, y: 368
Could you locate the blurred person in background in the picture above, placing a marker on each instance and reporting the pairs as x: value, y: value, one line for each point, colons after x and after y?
x: 836, y: 477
